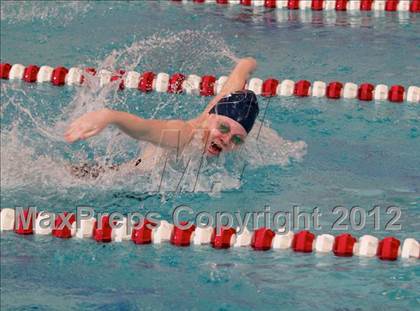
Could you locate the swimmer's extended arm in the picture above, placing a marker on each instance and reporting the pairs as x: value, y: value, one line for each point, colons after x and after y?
x: 236, y: 80
x: 165, y: 133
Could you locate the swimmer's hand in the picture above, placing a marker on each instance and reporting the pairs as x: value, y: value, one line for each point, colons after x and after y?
x: 88, y: 125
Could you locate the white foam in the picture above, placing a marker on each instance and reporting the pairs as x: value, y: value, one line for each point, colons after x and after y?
x: 35, y: 155
x: 47, y: 11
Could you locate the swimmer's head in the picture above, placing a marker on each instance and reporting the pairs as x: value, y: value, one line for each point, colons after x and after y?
x: 230, y: 121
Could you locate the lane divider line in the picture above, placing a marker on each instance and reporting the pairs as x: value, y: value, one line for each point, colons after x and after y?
x: 262, y: 239
x: 412, y: 6
x: 208, y: 85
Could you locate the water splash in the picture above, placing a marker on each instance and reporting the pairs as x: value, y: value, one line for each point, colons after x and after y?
x: 35, y: 157
x: 46, y: 11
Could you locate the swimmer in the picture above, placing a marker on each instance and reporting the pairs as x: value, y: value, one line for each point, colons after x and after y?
x: 226, y: 122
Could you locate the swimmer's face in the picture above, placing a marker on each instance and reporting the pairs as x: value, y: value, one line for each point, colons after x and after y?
x: 224, y: 134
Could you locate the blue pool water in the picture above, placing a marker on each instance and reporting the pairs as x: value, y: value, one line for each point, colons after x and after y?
x: 330, y: 153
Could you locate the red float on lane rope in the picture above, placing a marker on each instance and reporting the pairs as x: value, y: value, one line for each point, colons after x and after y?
x: 396, y: 94
x: 366, y: 5
x: 175, y: 83
x: 341, y: 5
x: 334, y: 90
x: 119, y: 76
x: 365, y: 91
x: 343, y: 245
x: 391, y: 5
x: 302, y: 88
x: 59, y: 76
x: 270, y: 4
x: 28, y: 219
x: 222, y: 240
x: 317, y: 5
x: 102, y: 233
x: 293, y: 4
x: 246, y: 2
x: 146, y: 81
x: 89, y: 70
x: 262, y: 239
x: 388, y: 248
x: 30, y: 73
x: 415, y: 6
x: 143, y: 234
x: 303, y: 241
x: 4, y: 70
x: 182, y: 237
x: 222, y: 1
x: 207, y: 86
x: 65, y: 232
x: 269, y: 87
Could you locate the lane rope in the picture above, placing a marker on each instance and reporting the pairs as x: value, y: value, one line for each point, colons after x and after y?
x: 412, y: 6
x: 209, y: 85
x: 344, y: 245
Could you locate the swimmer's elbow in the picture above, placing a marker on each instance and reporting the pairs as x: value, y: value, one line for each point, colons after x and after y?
x: 250, y: 61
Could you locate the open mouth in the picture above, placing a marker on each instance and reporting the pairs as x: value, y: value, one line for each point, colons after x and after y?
x: 214, y: 148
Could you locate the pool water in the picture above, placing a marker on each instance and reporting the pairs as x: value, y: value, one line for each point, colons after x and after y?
x: 329, y: 153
